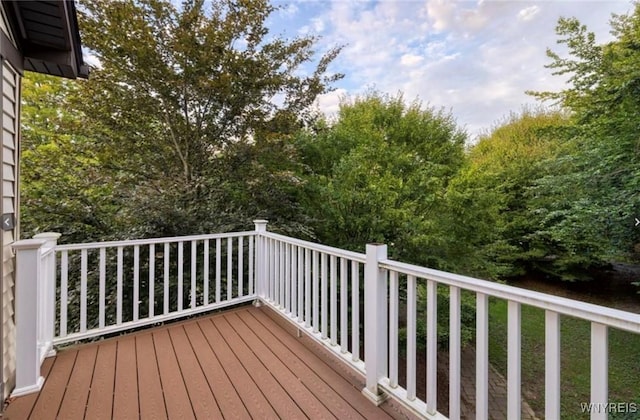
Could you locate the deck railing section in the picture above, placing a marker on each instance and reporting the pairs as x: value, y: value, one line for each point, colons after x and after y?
x: 352, y: 303
x: 318, y: 289
x: 106, y: 287
x: 601, y: 319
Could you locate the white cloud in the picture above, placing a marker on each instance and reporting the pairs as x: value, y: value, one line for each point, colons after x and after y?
x: 441, y: 13
x: 476, y: 58
x: 410, y: 59
x: 91, y: 59
x: 329, y: 103
x: 528, y: 13
x: 318, y: 24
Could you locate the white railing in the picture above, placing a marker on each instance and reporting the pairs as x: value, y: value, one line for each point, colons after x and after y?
x: 107, y: 287
x: 601, y: 318
x: 350, y: 302
x: 317, y: 288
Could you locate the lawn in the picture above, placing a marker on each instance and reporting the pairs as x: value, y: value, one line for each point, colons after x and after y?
x: 624, y: 360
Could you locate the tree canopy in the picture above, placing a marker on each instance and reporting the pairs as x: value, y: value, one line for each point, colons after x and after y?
x: 183, y: 98
x: 591, y: 197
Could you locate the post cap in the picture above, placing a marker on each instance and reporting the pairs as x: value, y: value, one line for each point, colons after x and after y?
x: 27, y: 244
x: 261, y: 225
x: 48, y: 235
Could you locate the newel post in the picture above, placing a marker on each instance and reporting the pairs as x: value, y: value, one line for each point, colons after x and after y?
x: 48, y: 293
x: 27, y: 309
x: 261, y: 260
x: 375, y: 321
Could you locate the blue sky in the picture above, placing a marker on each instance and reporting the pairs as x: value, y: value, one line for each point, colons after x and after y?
x: 474, y: 58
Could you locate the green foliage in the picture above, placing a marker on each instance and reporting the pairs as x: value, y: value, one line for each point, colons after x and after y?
x: 491, y: 196
x: 589, y: 199
x: 379, y: 174
x: 184, y: 103
x: 63, y: 188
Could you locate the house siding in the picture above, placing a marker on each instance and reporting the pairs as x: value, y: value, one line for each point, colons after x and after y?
x: 10, y: 88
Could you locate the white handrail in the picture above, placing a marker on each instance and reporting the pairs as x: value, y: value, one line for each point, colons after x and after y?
x: 329, y: 250
x: 595, y: 313
x: 131, y: 242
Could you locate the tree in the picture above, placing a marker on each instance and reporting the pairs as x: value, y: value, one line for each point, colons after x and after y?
x: 184, y: 94
x: 379, y: 174
x: 590, y: 201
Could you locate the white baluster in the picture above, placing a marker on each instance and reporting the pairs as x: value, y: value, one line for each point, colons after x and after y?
x: 432, y: 347
x: 513, y: 361
x: 152, y: 279
x: 136, y: 282
x: 333, y: 284
x: 83, y: 290
x: 552, y: 365
x: 482, y: 356
x: 393, y: 328
x: 454, y: 353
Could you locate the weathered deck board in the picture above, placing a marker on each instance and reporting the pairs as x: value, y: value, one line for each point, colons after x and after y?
x: 235, y: 364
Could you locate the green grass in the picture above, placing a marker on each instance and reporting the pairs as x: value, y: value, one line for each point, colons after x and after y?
x: 624, y: 360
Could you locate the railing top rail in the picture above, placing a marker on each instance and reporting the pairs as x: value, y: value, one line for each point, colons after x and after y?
x: 111, y: 244
x: 354, y: 256
x: 595, y: 313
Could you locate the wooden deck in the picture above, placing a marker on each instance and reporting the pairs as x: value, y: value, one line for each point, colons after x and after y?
x: 240, y: 363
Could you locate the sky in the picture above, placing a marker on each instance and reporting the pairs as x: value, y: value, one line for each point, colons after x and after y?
x: 473, y: 58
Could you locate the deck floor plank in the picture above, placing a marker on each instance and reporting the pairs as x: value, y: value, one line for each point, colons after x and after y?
x: 74, y: 403
x: 241, y: 363
x: 225, y: 393
x: 333, y: 390
x: 173, y: 387
x: 100, y: 401
x: 21, y: 407
x: 202, y: 399
x: 125, y: 393
x: 282, y: 402
x: 152, y: 405
x: 303, y: 395
x: 326, y: 373
x: 251, y: 394
x: 52, y: 392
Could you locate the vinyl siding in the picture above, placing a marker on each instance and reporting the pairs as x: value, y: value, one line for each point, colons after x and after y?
x: 9, y: 191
